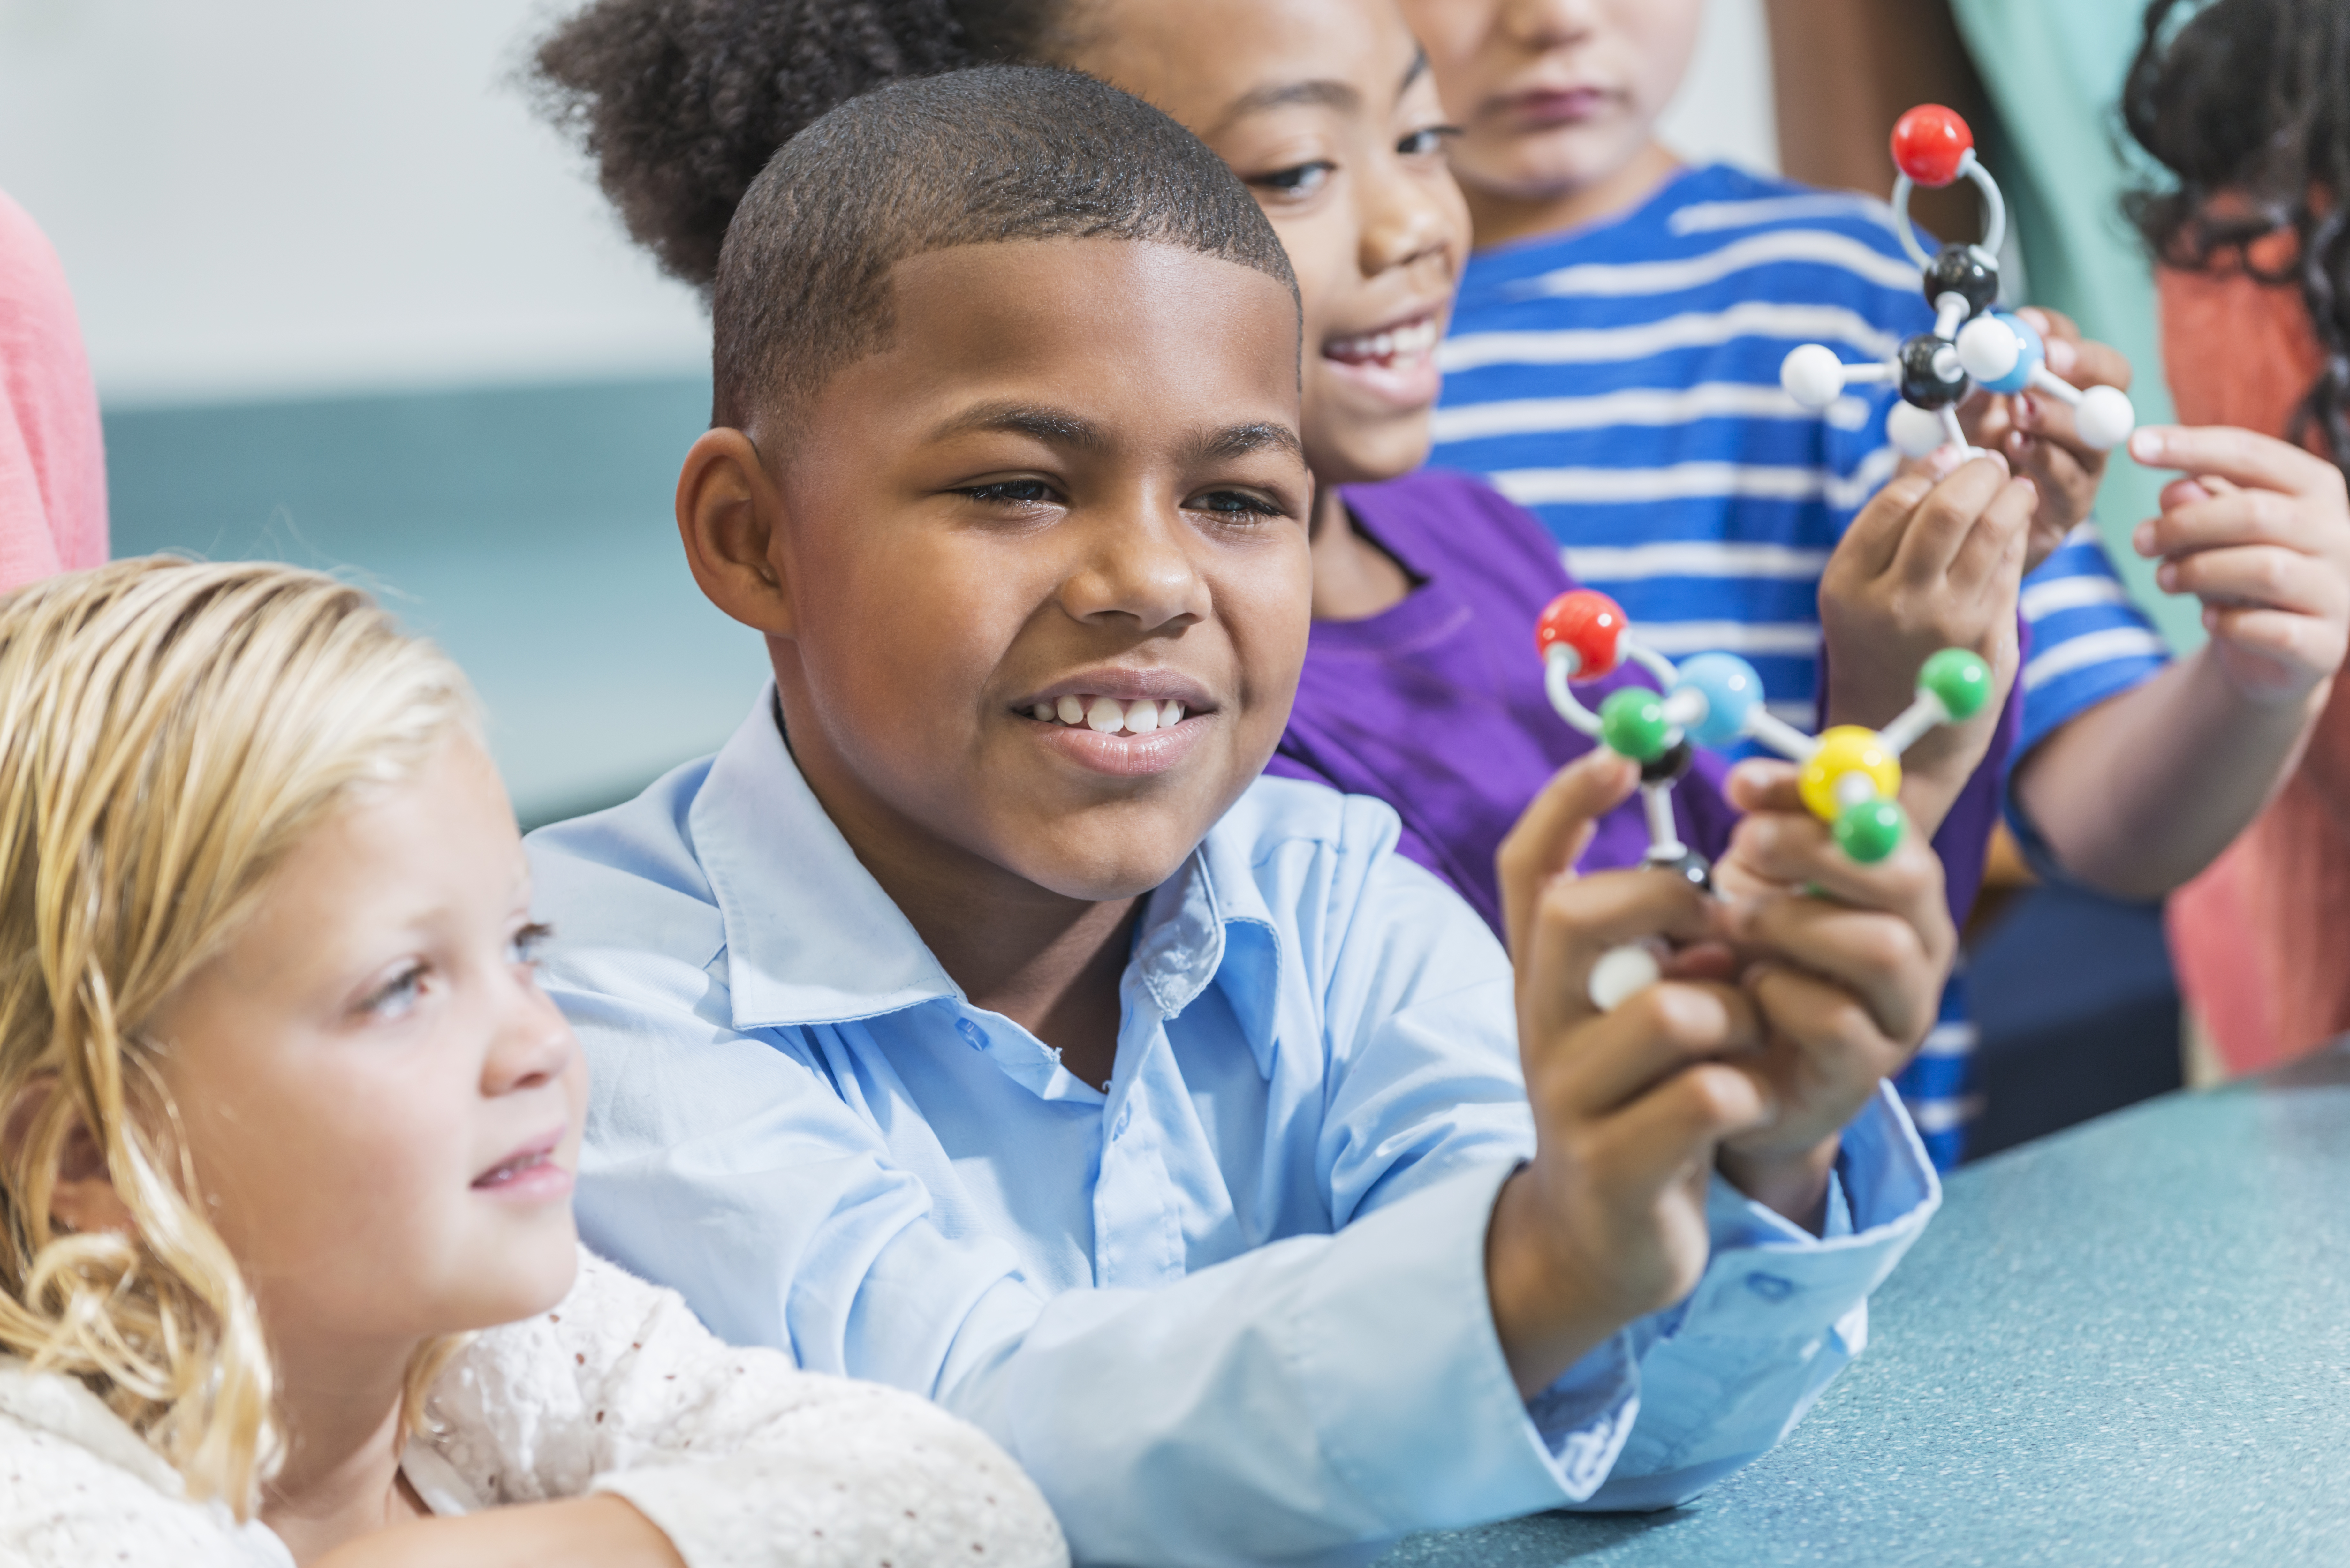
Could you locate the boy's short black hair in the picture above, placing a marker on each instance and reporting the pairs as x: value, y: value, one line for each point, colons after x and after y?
x: 972, y: 157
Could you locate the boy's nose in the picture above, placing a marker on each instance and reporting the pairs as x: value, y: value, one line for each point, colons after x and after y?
x: 1136, y: 565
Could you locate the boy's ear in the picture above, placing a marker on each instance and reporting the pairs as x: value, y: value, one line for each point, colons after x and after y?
x: 730, y: 517
x: 83, y: 1197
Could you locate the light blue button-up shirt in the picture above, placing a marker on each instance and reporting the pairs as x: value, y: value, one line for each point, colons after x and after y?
x: 1230, y: 1308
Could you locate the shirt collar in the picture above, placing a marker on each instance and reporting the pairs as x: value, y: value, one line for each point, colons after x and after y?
x: 812, y: 939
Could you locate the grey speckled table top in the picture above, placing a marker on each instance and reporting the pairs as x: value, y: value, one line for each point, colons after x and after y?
x: 2126, y: 1345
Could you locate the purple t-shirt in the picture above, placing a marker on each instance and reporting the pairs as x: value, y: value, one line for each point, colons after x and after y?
x: 1436, y: 705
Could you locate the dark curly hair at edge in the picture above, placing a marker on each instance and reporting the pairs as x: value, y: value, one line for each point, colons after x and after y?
x: 681, y: 102
x: 2248, y: 103
x: 982, y: 156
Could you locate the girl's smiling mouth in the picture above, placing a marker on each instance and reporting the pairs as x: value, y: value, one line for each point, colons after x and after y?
x: 1396, y: 363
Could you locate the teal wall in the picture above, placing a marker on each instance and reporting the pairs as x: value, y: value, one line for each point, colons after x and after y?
x: 528, y: 529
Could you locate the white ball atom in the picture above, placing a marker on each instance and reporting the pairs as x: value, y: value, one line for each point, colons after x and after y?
x: 1619, y: 972
x: 2104, y: 417
x: 1914, y: 431
x: 1812, y: 376
x: 1989, y: 349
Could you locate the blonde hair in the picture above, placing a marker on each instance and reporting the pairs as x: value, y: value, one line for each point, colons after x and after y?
x: 169, y: 730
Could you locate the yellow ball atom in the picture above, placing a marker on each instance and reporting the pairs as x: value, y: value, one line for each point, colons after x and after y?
x: 1847, y: 749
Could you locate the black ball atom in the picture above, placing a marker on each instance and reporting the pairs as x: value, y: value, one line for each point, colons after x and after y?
x: 1689, y: 866
x: 1670, y: 766
x: 1925, y: 359
x: 1960, y: 270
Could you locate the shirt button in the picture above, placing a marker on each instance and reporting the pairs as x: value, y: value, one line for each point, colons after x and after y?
x: 1125, y: 1115
x: 1770, y: 1287
x: 973, y: 1035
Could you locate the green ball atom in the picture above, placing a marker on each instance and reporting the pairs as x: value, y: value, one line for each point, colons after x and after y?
x: 1961, y: 679
x: 1869, y: 830
x: 1632, y: 724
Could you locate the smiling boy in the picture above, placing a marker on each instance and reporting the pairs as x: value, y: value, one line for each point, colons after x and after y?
x: 980, y: 1020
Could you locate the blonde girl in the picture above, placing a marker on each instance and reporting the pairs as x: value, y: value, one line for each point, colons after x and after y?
x: 289, y: 1273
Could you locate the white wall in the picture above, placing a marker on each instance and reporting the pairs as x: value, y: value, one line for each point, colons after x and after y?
x: 262, y: 197
x: 273, y: 196
x: 1724, y: 109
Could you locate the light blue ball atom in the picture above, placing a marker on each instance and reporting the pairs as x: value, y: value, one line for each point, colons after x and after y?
x: 2034, y: 351
x: 1731, y: 689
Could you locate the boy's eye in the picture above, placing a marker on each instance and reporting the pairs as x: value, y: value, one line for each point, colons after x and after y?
x: 1427, y: 142
x: 1301, y: 181
x: 524, y: 947
x: 396, y: 997
x: 1235, y: 503
x: 1013, y: 493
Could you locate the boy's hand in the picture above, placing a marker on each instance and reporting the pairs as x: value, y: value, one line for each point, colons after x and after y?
x: 1932, y: 562
x: 1608, y: 1220
x: 2036, y: 434
x: 2260, y: 531
x: 1846, y: 984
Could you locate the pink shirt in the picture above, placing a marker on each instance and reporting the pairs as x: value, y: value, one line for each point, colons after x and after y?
x: 2259, y: 938
x: 52, y: 457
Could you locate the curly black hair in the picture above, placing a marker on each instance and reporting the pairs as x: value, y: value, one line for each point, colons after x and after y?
x: 982, y: 156
x: 681, y: 102
x: 2247, y: 102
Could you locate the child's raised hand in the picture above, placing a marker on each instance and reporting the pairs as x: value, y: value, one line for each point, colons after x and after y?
x: 1608, y: 1222
x: 1844, y: 963
x: 2037, y: 436
x: 2260, y: 531
x: 1933, y: 561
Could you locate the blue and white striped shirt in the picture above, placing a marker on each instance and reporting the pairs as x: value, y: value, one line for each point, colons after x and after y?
x: 1622, y: 382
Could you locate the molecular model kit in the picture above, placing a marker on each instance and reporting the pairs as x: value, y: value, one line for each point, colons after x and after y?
x: 1973, y: 344
x: 1851, y: 776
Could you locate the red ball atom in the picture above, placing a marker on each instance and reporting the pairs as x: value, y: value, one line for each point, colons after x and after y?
x: 1928, y: 143
x: 1588, y: 622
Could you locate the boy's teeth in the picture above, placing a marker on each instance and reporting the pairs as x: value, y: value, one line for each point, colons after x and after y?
x: 1399, y: 343
x: 1108, y: 716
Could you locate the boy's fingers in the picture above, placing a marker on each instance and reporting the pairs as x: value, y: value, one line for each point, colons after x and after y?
x: 1657, y: 1032
x: 2244, y: 456
x: 1939, y: 524
x: 1765, y: 783
x: 1837, y: 1037
x: 1653, y: 1141
x: 1878, y: 960
x: 1552, y: 831
x: 1800, y: 851
x: 1997, y: 541
x: 1575, y: 921
x: 2097, y: 364
x: 1876, y: 535
x: 2263, y: 577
